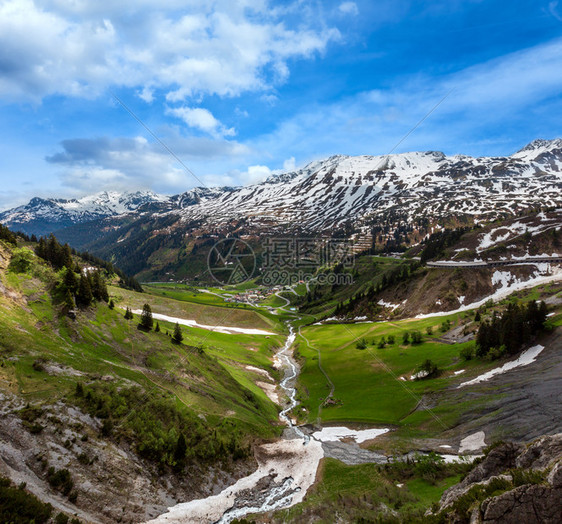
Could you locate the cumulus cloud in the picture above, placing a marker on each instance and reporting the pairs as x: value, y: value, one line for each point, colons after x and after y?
x: 202, y: 119
x: 186, y: 49
x: 349, y: 8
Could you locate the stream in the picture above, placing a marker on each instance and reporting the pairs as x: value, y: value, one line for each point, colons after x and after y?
x: 286, y: 469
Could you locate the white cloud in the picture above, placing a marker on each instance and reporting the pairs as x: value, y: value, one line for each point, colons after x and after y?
x: 289, y: 164
x: 146, y: 94
x: 185, y: 49
x: 553, y: 9
x: 203, y: 119
x: 349, y: 8
x: 254, y: 174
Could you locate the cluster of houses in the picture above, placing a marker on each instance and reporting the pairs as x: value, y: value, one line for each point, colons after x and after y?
x: 255, y: 295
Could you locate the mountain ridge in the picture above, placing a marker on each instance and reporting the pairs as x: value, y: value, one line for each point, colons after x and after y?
x: 358, y: 185
x: 388, y: 202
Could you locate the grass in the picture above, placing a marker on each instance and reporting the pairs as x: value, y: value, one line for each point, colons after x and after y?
x: 203, y: 313
x: 368, y: 387
x: 213, y: 382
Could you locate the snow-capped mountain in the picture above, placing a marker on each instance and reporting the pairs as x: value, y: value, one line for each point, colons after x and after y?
x: 365, y: 191
x: 409, y: 186
x: 41, y: 216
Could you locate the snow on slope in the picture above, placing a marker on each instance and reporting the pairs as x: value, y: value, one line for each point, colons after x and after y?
x: 361, y: 189
x: 79, y: 210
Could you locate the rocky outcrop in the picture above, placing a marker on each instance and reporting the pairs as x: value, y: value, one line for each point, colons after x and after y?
x: 540, y: 504
x: 513, y: 483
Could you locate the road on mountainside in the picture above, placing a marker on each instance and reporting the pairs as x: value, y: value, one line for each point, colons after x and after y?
x: 491, y: 263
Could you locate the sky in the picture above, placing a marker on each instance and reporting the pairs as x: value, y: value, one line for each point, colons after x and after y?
x: 171, y: 94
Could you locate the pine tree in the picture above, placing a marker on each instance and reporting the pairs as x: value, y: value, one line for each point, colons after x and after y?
x: 99, y: 288
x: 111, y: 304
x: 66, y: 256
x: 41, y: 249
x: 68, y: 300
x: 84, y: 294
x: 177, y: 336
x: 128, y: 314
x: 157, y: 328
x: 146, y: 320
x: 70, y: 280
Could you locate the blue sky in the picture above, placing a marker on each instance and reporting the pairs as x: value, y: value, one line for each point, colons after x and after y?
x: 240, y: 89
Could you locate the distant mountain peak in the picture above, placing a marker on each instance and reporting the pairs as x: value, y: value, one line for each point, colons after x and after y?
x: 335, y: 191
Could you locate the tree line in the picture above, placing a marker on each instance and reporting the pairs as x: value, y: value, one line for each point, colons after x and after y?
x: 7, y: 235
x: 509, y: 332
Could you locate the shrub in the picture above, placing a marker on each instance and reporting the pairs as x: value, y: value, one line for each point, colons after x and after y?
x: 416, y: 337
x: 361, y: 344
x: 427, y: 369
x: 19, y: 507
x: 467, y: 353
x: 21, y: 260
x: 429, y: 466
x: 60, y: 480
x: 496, y: 353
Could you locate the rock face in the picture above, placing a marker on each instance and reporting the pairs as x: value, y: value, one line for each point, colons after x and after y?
x: 531, y: 480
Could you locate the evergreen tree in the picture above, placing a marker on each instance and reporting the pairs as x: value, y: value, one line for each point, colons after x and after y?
x: 128, y: 313
x: 66, y: 257
x: 111, y: 304
x: 146, y: 320
x: 41, y: 249
x: 99, y: 288
x: 70, y: 280
x: 84, y: 294
x: 177, y: 336
x: 68, y: 300
x: 157, y: 328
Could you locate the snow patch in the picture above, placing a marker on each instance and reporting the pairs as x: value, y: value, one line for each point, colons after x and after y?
x: 526, y: 358
x: 229, y: 330
x: 473, y: 442
x: 339, y: 433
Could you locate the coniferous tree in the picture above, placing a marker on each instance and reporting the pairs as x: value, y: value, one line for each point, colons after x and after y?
x: 111, y: 304
x: 146, y: 320
x: 157, y: 328
x: 68, y: 300
x: 84, y: 294
x: 70, y: 280
x: 178, y: 335
x: 128, y: 313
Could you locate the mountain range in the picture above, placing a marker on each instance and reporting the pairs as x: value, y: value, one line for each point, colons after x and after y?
x: 392, y: 199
